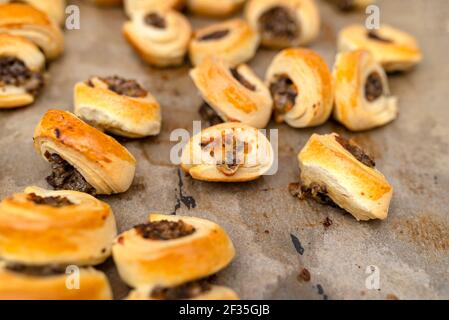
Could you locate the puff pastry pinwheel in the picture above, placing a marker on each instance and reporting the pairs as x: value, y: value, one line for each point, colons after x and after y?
x: 170, y: 250
x: 82, y: 158
x: 228, y: 152
x: 395, y: 50
x: 27, y: 21
x: 234, y: 94
x: 284, y: 23
x: 301, y: 86
x: 161, y: 37
x: 233, y: 40
x: 336, y: 171
x: 362, y: 95
x: 53, y: 8
x: 348, y: 5
x: 20, y: 282
x: 136, y: 6
x: 214, y: 8
x: 118, y: 106
x: 21, y: 71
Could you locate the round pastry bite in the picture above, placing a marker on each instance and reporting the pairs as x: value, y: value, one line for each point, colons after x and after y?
x: 118, y: 106
x: 55, y: 9
x: 301, y: 87
x: 395, y: 50
x: 214, y: 8
x: 82, y: 158
x: 161, y: 37
x: 170, y: 250
x: 138, y: 6
x: 362, y: 94
x: 284, y: 23
x: 349, y: 5
x: 19, y: 282
x: 41, y: 227
x: 232, y: 94
x: 232, y: 40
x: 228, y: 152
x: 335, y: 171
x: 29, y: 22
x: 21, y: 71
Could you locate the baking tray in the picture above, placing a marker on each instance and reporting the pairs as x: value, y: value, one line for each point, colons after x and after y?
x: 276, y: 235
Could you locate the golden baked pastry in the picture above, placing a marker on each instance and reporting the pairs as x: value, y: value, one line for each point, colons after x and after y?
x: 55, y: 9
x: 233, y: 94
x: 171, y: 250
x: 336, y: 171
x: 362, y: 94
x: 41, y: 227
x: 133, y: 6
x: 284, y: 23
x: 233, y: 40
x: 301, y: 86
x: 160, y: 36
x: 395, y: 50
x: 82, y: 157
x: 118, y: 106
x: 27, y: 21
x: 212, y: 8
x: 21, y: 71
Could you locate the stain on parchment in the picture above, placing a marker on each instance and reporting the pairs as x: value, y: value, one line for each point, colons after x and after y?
x: 321, y: 292
x: 297, y: 244
x: 188, y: 201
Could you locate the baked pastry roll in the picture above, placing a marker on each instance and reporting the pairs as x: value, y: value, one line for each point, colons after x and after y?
x: 55, y: 9
x: 161, y: 37
x: 284, y: 23
x: 137, y: 6
x: 334, y: 170
x: 362, y: 95
x: 301, y: 86
x: 41, y: 227
x: 118, y: 106
x: 82, y: 158
x: 233, y: 94
x: 228, y: 152
x: 348, y: 5
x: 213, y: 8
x: 19, y: 282
x: 395, y: 50
x: 170, y: 250
x: 27, y: 21
x: 233, y: 40
x: 21, y: 71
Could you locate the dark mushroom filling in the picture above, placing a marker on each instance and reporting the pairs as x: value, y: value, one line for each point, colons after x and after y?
x: 56, y: 202
x: 373, y: 34
x: 284, y: 93
x: 278, y: 22
x: 313, y: 191
x: 209, y: 114
x: 216, y: 35
x: 187, y: 290
x: 155, y: 20
x: 124, y: 87
x: 14, y: 72
x: 356, y: 151
x: 42, y: 270
x: 373, y: 87
x: 240, y: 78
x: 164, y: 230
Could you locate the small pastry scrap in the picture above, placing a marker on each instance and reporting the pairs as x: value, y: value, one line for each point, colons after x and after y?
x: 160, y: 36
x: 362, y: 95
x: 119, y: 106
x: 284, y: 23
x: 233, y: 40
x: 82, y: 158
x: 55, y: 9
x: 21, y: 71
x: 232, y: 94
x: 395, y: 50
x: 336, y: 171
x: 171, y: 250
x: 29, y: 22
x: 21, y: 282
x: 41, y: 227
x: 212, y: 8
x: 137, y: 6
x: 349, y: 5
x: 301, y: 86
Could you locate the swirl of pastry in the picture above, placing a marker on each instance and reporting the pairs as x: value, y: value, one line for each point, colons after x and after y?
x: 170, y: 250
x: 118, y: 106
x: 301, y: 86
x: 53, y: 8
x: 21, y: 71
x: 234, y: 94
x: 284, y: 23
x: 233, y: 40
x: 395, y: 50
x: 212, y: 8
x: 29, y: 22
x: 20, y: 282
x: 227, y: 152
x: 161, y: 37
x: 82, y: 158
x: 338, y: 172
x: 362, y: 94
x: 137, y: 6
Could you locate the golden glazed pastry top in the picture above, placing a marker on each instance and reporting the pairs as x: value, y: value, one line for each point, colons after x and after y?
x: 214, y: 8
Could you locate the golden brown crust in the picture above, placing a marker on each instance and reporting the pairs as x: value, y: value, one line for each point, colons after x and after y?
x: 136, y: 6
x: 212, y: 8
x: 215, y: 293
x: 53, y: 8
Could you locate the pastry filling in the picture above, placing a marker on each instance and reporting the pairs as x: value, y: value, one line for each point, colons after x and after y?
x: 164, y: 230
x: 216, y: 35
x: 240, y: 78
x: 313, y: 191
x: 43, y: 270
x: 155, y: 20
x: 124, y: 87
x: 65, y: 177
x: 56, y: 202
x: 284, y: 93
x: 356, y: 151
x: 344, y: 5
x: 373, y: 87
x: 373, y: 34
x: 187, y: 290
x: 209, y: 114
x: 278, y: 22
x: 14, y: 72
